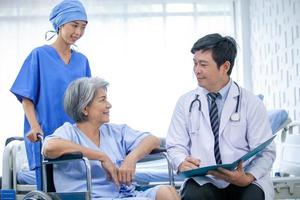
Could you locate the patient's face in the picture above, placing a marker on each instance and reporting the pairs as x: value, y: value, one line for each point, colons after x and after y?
x: 98, y: 111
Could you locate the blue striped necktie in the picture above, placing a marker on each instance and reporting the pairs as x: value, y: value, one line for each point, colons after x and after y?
x: 214, y: 122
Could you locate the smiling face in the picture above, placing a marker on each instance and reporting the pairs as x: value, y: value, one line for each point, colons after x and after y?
x: 98, y: 111
x: 208, y: 74
x: 72, y: 31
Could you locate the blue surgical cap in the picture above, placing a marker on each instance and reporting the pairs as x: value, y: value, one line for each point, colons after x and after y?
x: 67, y: 11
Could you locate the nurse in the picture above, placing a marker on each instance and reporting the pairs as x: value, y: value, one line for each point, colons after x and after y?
x: 217, y: 123
x: 45, y: 75
x: 113, y: 149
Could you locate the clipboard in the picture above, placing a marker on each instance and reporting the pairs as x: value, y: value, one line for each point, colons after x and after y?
x: 202, y: 171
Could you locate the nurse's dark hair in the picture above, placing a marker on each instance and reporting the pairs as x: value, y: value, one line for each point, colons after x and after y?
x: 223, y: 48
x: 81, y: 93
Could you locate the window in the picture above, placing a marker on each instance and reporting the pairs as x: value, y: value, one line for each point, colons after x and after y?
x: 141, y: 47
x: 143, y: 50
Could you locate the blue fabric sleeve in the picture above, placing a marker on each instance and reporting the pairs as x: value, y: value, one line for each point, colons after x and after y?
x: 66, y: 132
x: 27, y: 81
x: 132, y: 138
x: 88, y: 70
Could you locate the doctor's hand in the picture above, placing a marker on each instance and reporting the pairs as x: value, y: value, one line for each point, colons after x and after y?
x: 236, y: 177
x: 111, y: 170
x: 189, y: 163
x: 126, y: 171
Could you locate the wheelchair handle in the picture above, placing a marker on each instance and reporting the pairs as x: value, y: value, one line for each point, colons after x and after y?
x: 40, y: 137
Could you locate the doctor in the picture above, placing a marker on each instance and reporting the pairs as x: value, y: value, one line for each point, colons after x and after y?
x: 217, y: 123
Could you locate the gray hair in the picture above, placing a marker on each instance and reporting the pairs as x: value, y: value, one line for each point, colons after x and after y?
x: 81, y: 93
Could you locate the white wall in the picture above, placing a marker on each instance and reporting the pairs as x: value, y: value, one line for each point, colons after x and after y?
x: 275, y: 53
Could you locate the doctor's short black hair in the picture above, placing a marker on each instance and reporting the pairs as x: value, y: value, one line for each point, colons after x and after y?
x: 223, y: 48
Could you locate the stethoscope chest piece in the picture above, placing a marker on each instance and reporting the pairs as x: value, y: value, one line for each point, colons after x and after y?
x: 235, y: 117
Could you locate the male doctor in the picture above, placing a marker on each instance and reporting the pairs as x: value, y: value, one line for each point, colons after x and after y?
x: 217, y: 123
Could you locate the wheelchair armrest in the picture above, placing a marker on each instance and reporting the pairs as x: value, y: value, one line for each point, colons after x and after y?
x: 65, y: 157
x: 73, y: 156
x: 158, y: 154
x: 159, y: 150
x: 155, y: 154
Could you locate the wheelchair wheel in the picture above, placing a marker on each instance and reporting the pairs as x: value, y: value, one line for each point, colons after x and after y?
x: 37, y: 195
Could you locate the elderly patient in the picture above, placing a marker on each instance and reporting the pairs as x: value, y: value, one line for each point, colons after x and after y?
x: 113, y: 149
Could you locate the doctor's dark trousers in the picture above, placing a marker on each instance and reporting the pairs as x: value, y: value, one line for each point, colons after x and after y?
x: 193, y: 191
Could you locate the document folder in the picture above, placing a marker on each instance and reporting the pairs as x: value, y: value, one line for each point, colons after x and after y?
x: 202, y: 171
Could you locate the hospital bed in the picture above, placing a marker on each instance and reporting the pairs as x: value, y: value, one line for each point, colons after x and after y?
x: 287, y: 179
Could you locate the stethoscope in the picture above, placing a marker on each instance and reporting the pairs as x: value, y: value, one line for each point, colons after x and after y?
x: 234, y: 117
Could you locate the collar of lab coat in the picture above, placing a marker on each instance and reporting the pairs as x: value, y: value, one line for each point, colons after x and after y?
x: 228, y: 108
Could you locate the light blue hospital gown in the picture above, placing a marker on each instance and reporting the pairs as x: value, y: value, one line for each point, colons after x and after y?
x: 43, y: 79
x: 116, y: 141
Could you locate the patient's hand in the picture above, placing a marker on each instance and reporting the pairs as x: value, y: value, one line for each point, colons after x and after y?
x: 111, y: 170
x: 126, y: 171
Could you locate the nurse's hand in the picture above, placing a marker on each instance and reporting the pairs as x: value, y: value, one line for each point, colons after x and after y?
x: 126, y: 171
x: 32, y: 135
x: 111, y: 170
x: 189, y: 163
x: 236, y: 177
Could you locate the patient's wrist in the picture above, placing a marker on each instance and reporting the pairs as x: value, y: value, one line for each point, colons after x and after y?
x: 103, y: 157
x: 131, y: 158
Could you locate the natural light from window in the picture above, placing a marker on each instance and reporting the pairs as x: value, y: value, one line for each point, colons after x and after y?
x: 141, y: 47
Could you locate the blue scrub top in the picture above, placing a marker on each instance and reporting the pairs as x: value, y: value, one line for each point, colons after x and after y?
x: 43, y: 79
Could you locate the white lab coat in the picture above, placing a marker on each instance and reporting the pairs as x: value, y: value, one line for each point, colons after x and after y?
x: 191, y: 134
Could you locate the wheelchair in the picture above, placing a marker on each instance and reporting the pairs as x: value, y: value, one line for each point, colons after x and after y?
x: 47, y: 182
x: 25, y: 191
